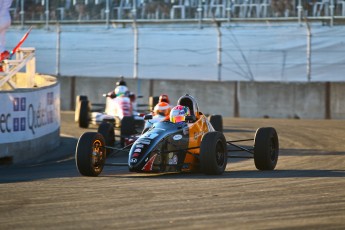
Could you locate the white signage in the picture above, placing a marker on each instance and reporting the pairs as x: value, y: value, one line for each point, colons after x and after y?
x: 29, y: 115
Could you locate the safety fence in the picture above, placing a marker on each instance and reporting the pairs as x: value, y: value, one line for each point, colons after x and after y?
x: 229, y: 52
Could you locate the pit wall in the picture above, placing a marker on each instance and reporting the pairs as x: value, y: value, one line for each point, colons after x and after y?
x: 29, y: 118
x: 314, y: 100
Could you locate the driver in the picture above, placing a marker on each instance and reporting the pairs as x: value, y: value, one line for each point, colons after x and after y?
x: 121, y: 89
x: 121, y: 81
x: 122, y: 103
x: 164, y: 98
x: 178, y: 114
x: 162, y: 109
x: 160, y: 113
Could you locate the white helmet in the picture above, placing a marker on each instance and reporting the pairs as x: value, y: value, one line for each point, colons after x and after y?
x: 121, y: 90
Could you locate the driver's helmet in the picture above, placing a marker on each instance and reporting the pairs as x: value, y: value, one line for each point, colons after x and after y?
x: 121, y: 82
x: 179, y: 113
x: 162, y: 108
x: 164, y: 98
x: 121, y: 90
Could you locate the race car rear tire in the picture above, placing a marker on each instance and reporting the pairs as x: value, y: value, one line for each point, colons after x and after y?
x: 78, y: 99
x: 266, y: 148
x: 213, y: 153
x: 127, y: 128
x: 217, y: 122
x: 90, y: 154
x: 107, y: 131
x: 84, y: 114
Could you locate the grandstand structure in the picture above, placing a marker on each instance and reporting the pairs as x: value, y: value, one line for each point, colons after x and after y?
x: 69, y: 11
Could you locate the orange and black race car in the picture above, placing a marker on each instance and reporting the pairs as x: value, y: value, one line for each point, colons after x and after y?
x: 197, y: 145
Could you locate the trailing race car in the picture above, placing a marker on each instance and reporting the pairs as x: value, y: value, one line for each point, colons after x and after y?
x: 191, y: 146
x: 120, y: 110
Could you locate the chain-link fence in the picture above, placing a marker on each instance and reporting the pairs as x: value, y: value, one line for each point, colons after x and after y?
x: 249, y: 52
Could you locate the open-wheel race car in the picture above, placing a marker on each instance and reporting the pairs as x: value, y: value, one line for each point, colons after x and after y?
x: 123, y: 108
x: 191, y: 146
x: 120, y: 111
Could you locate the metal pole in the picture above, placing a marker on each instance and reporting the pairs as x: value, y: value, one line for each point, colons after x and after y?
x: 22, y: 14
x: 299, y: 12
x: 135, y: 28
x: 308, y: 52
x: 219, y: 51
x: 58, y: 49
x: 47, y: 14
x: 199, y: 10
x: 331, y: 9
x: 136, y: 49
x: 134, y: 10
x: 107, y: 14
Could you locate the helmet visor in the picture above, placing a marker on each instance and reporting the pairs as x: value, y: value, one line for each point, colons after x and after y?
x: 178, y: 119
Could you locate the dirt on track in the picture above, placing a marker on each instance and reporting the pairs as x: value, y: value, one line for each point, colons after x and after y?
x: 306, y: 191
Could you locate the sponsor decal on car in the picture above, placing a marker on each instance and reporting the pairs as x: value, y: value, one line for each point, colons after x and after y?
x: 185, y: 130
x: 144, y: 141
x: 137, y: 150
x: 151, y: 135
x: 149, y: 164
x: 198, y: 134
x: 177, y: 137
x: 134, y: 160
x: 139, y: 146
x: 173, y: 160
x: 135, y: 155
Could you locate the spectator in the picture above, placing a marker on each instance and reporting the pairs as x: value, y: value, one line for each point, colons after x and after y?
x: 282, y: 8
x: 80, y: 7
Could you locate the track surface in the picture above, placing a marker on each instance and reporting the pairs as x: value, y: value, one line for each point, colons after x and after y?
x: 307, y: 189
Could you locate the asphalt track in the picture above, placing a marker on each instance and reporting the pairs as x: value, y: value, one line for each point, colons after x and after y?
x: 306, y: 191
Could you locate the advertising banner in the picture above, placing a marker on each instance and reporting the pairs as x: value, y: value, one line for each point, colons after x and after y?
x: 30, y: 114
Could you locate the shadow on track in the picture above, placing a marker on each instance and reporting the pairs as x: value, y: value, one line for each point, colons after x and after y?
x: 59, y: 163
x: 236, y: 174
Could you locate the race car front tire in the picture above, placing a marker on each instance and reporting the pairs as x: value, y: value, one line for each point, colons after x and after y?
x: 266, y: 148
x: 90, y: 154
x: 213, y: 153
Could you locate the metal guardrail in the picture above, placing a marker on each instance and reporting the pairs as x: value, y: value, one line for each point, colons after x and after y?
x: 25, y: 57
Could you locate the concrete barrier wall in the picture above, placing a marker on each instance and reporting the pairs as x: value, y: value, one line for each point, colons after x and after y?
x: 282, y: 100
x: 313, y: 100
x: 29, y: 119
x: 337, y: 94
